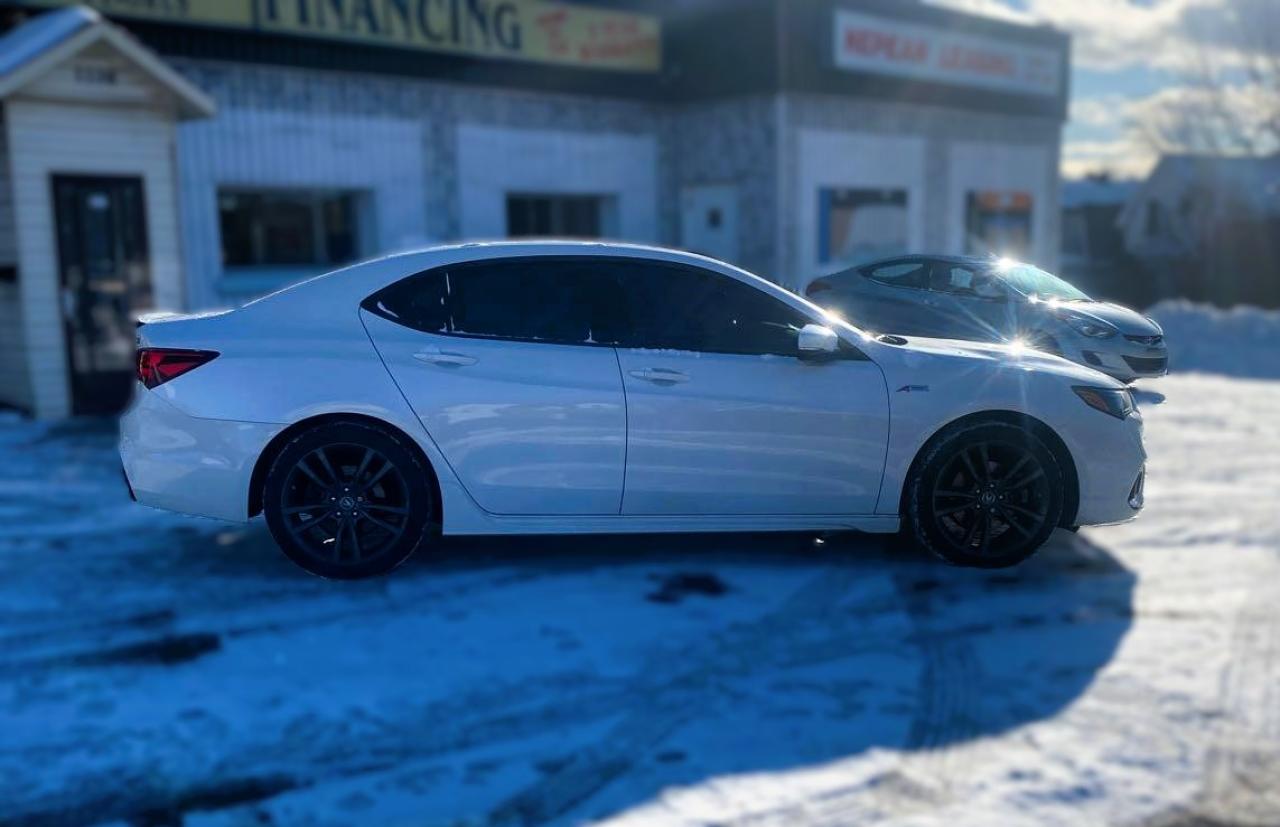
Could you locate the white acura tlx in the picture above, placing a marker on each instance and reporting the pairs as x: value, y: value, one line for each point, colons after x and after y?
x: 574, y: 387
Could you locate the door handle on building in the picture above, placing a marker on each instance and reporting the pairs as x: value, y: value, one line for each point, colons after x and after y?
x: 661, y: 376
x: 435, y: 356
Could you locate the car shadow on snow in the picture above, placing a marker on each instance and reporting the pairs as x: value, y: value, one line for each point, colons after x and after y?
x: 867, y: 645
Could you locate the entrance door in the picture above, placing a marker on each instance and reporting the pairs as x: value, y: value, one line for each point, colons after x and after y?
x: 106, y: 278
x: 709, y: 221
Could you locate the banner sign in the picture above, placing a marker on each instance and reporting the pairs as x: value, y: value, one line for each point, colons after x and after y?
x: 534, y: 30
x: 889, y: 47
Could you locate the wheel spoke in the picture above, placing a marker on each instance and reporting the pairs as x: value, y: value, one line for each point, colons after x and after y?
x: 382, y: 472
x: 302, y: 509
x: 1027, y: 480
x: 973, y: 530
x: 309, y: 524
x: 951, y: 492
x: 364, y: 465
x: 968, y: 463
x: 986, y: 532
x: 328, y: 469
x: 385, y: 526
x: 986, y: 461
x: 336, y: 550
x: 390, y: 509
x: 1038, y: 516
x: 1012, y: 472
x: 1014, y: 524
x: 944, y: 512
x: 355, y: 541
x: 306, y: 469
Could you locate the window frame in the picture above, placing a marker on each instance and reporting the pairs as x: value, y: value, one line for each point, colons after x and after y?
x: 847, y: 351
x: 315, y: 198
x: 868, y: 270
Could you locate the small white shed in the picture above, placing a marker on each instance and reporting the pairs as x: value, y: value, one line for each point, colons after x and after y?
x: 88, y: 218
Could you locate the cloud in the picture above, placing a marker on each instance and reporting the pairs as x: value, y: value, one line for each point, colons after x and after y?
x: 1162, y: 34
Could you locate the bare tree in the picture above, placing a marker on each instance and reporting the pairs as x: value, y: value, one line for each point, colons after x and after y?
x: 1228, y: 100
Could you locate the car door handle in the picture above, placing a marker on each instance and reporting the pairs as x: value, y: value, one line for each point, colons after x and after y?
x: 661, y: 376
x: 444, y: 358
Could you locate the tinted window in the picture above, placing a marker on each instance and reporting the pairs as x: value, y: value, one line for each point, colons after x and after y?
x: 685, y: 308
x: 551, y: 300
x: 965, y: 281
x: 901, y: 274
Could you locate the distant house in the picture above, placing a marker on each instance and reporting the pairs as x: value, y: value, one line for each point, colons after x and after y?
x: 1093, y: 251
x: 1208, y: 228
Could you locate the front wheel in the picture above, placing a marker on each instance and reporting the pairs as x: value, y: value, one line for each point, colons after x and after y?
x: 347, y: 500
x: 986, y: 495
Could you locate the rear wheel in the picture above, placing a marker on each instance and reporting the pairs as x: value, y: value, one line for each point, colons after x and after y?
x: 347, y: 500
x: 986, y: 495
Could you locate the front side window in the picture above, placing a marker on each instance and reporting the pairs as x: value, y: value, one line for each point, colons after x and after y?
x: 287, y: 228
x: 965, y: 281
x: 685, y: 308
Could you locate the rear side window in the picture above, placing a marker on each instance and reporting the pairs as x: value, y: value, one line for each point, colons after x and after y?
x: 902, y: 274
x: 543, y: 300
x: 685, y: 308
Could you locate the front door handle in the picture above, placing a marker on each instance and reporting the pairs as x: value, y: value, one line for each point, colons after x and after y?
x: 661, y: 376
x: 435, y: 356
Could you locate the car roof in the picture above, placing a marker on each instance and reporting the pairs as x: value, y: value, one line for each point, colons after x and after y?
x: 971, y: 261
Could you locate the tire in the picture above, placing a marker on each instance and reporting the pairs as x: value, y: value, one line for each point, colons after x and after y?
x: 989, y: 521
x: 349, y: 500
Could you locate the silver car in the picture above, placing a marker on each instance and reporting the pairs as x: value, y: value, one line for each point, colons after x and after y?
x: 987, y: 299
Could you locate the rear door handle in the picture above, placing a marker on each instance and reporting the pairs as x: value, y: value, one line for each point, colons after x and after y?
x: 435, y: 356
x: 661, y: 376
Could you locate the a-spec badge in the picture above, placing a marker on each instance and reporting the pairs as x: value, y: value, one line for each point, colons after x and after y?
x: 914, y: 389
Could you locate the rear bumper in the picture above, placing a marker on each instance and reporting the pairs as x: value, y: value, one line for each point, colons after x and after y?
x: 183, y: 463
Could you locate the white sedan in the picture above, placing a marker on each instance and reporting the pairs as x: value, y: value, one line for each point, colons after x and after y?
x: 566, y: 388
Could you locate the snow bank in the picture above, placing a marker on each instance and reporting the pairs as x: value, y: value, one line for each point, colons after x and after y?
x: 1242, y: 341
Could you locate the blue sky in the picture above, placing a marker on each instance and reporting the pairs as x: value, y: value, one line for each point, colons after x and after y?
x: 1134, y: 62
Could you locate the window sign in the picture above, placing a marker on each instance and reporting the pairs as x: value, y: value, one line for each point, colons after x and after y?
x: 998, y: 222
x: 857, y: 225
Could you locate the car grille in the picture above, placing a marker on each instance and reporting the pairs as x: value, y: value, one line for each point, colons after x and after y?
x: 1140, y: 364
x: 1149, y: 341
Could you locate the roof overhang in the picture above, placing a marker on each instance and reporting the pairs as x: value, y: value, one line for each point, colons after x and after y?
x: 190, y: 101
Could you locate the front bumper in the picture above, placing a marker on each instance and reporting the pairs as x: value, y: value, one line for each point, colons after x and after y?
x: 188, y: 464
x: 1111, y: 466
x: 1122, y: 359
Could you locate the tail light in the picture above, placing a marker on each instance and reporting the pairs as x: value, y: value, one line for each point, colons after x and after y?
x: 157, y: 365
x: 817, y: 286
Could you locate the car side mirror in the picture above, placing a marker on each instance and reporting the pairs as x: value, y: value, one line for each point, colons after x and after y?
x: 815, y: 340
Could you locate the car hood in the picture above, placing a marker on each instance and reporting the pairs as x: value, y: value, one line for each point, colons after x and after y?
x: 1128, y: 322
x: 914, y: 350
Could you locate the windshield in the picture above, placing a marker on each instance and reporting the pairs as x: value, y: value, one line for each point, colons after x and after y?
x: 1034, y: 282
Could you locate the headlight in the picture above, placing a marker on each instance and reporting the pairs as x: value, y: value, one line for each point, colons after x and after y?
x: 1114, y: 401
x: 1086, y: 326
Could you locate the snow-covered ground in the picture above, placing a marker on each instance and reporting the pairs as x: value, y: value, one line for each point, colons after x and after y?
x: 162, y: 670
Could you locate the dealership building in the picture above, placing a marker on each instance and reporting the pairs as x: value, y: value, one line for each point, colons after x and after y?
x: 190, y: 154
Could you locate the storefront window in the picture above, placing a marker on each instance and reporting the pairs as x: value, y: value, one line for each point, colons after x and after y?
x: 999, y: 223
x: 859, y: 225
x: 287, y: 228
x: 564, y: 216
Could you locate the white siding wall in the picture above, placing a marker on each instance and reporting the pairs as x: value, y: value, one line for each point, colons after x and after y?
x: 14, y: 387
x: 493, y: 161
x: 1007, y: 168
x: 829, y: 158
x: 47, y: 139
x: 381, y: 157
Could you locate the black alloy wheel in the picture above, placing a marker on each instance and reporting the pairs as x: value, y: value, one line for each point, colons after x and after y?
x: 348, y: 500
x: 987, y: 495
